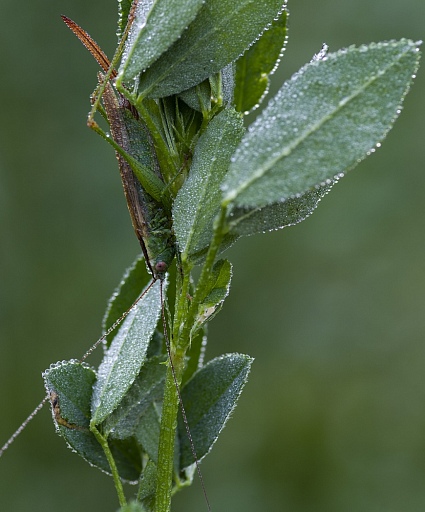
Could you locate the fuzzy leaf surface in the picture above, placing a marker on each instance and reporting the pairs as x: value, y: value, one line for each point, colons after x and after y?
x: 209, y: 399
x: 135, y: 278
x: 196, y: 353
x: 147, y: 388
x: 124, y: 7
x: 198, y: 97
x: 321, y: 123
x: 70, y: 384
x: 147, y: 431
x: 158, y: 23
x: 249, y: 221
x: 126, y: 355
x: 198, y: 201
x: 147, y: 489
x: 206, y: 46
x: 257, y: 64
x: 216, y: 290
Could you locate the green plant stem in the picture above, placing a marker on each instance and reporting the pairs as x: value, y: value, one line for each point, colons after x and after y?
x: 213, y: 249
x: 183, y: 322
x: 115, y: 475
x: 167, y: 436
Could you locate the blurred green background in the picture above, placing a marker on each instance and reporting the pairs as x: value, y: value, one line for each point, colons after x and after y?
x: 333, y: 417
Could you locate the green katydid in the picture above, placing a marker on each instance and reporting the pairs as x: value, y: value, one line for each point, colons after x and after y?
x: 147, y: 198
x: 145, y: 191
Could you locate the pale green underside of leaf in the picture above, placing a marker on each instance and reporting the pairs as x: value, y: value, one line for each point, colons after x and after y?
x: 125, y: 357
x: 249, y: 221
x: 198, y: 201
x: 157, y: 25
x: 257, y: 64
x: 321, y: 123
x: 209, y: 399
x: 205, y: 47
x: 73, y: 384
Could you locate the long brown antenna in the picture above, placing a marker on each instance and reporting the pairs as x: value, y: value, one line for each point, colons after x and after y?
x: 91, y: 45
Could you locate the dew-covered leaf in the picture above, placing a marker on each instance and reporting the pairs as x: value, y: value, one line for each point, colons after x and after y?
x: 216, y: 290
x: 209, y: 398
x: 223, y: 85
x: 196, y: 353
x: 249, y: 221
x: 321, y: 123
x: 147, y: 388
x: 198, y: 201
x: 126, y: 355
x: 198, y: 97
x: 124, y: 7
x: 148, y: 429
x: 206, y: 46
x: 147, y: 489
x: 130, y: 287
x: 158, y: 23
x: 257, y: 64
x: 70, y: 386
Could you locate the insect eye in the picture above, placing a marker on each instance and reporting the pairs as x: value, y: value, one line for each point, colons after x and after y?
x: 161, y: 266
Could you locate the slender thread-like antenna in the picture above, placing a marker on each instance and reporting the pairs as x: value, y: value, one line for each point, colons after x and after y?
x: 186, y: 424
x: 24, y: 424
x: 116, y: 323
x: 85, y: 356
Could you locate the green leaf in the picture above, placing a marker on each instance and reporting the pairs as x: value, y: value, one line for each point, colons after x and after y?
x: 69, y: 384
x: 196, y: 353
x: 223, y: 85
x: 249, y: 221
x: 126, y: 355
x: 198, y: 97
x: 322, y: 122
x: 216, y: 290
x: 220, y: 33
x: 130, y: 287
x: 147, y: 388
x: 158, y: 23
x: 147, y: 431
x: 124, y: 7
x: 209, y: 398
x: 147, y: 489
x: 198, y: 201
x: 257, y: 64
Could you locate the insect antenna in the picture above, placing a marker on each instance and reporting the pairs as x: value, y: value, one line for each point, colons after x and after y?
x: 183, y: 411
x: 116, y: 323
x: 23, y: 425
x: 83, y: 358
x: 101, y: 58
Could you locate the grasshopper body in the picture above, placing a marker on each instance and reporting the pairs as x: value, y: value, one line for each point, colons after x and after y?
x: 139, y: 169
x: 150, y: 218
